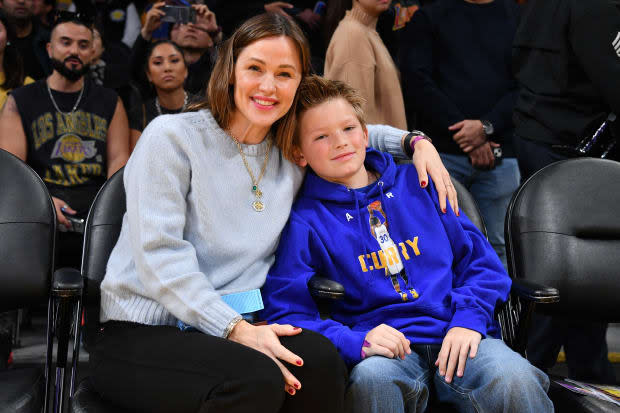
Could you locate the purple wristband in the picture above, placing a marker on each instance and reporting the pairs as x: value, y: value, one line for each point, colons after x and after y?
x: 415, y: 140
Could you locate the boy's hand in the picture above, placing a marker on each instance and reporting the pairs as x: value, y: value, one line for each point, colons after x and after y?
x: 386, y: 341
x: 456, y: 344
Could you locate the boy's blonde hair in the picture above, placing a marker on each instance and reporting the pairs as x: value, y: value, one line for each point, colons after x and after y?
x: 315, y: 90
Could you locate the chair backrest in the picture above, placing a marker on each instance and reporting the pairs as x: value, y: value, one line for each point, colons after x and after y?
x: 103, y: 227
x: 563, y: 230
x: 468, y: 205
x: 27, y: 235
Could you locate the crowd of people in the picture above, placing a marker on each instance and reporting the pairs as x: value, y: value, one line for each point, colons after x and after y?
x: 483, y: 90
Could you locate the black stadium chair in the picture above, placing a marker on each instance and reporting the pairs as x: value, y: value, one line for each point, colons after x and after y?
x: 563, y: 230
x: 103, y: 227
x: 27, y: 235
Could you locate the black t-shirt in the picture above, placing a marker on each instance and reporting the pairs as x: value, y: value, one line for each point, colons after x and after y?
x: 68, y: 151
x: 32, y: 67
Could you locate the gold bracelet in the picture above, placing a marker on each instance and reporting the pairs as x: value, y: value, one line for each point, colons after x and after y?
x: 229, y: 328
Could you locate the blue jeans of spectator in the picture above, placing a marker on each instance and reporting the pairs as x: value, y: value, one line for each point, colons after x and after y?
x: 496, y: 380
x: 492, y: 191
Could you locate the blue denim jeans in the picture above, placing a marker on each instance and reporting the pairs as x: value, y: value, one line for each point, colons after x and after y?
x: 496, y: 380
x: 492, y: 191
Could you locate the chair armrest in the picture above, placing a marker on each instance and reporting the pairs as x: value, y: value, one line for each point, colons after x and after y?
x: 67, y: 283
x: 321, y: 287
x: 535, y: 293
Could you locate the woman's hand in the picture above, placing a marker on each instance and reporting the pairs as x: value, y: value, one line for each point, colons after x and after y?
x: 265, y: 339
x: 426, y: 160
x: 455, y: 346
x: 152, y: 20
x: 386, y: 341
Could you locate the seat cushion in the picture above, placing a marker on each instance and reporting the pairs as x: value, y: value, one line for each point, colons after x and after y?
x: 22, y: 390
x: 87, y: 400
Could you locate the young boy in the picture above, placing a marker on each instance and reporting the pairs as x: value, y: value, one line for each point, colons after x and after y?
x: 399, y: 329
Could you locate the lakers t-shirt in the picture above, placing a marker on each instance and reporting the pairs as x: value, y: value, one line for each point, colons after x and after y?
x: 67, y: 150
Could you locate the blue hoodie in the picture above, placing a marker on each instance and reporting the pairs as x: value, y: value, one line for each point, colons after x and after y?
x: 401, y: 260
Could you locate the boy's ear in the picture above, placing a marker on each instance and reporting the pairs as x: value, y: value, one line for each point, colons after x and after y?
x: 365, y: 129
x: 298, y: 157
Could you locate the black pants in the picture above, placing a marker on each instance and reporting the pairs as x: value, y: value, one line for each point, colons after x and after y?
x: 162, y: 369
x: 584, y: 341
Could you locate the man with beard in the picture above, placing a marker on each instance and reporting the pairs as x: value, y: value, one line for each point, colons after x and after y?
x: 31, y: 37
x: 72, y: 132
x: 195, y: 39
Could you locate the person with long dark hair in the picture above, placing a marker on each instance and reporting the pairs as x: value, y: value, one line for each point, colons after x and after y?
x: 166, y: 70
x: 11, y: 65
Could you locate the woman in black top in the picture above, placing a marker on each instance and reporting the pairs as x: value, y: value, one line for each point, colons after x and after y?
x: 166, y: 70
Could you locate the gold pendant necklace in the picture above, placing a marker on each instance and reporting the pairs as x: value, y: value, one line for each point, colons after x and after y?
x: 257, y: 204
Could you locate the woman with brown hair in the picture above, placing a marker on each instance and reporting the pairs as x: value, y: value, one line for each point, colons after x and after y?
x: 208, y: 193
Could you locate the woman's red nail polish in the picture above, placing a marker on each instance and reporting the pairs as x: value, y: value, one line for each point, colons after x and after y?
x: 423, y: 184
x: 298, y: 362
x: 297, y: 385
x: 296, y: 328
x: 291, y: 391
x: 443, y: 210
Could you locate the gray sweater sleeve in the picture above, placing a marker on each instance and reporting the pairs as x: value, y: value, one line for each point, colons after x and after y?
x: 157, y: 182
x: 387, y: 139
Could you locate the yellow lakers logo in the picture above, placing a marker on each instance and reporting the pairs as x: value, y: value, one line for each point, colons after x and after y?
x: 73, y: 149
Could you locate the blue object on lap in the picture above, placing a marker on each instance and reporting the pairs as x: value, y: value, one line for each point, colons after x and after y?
x: 245, y: 303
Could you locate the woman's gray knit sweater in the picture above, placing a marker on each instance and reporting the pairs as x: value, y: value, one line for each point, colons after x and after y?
x: 190, y: 234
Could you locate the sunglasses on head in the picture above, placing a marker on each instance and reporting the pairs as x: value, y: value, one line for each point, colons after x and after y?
x: 63, y: 16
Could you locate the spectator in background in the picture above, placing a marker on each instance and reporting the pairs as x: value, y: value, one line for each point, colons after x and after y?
x: 195, y: 39
x: 457, y: 77
x: 357, y: 56
x: 166, y: 70
x: 109, y: 66
x: 118, y: 20
x: 11, y: 65
x: 578, y: 88
x: 72, y: 132
x: 42, y: 10
x: 31, y: 37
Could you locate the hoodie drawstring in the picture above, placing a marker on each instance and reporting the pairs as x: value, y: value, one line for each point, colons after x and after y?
x: 361, y: 230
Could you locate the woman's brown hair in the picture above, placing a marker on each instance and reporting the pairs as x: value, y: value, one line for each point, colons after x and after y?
x: 220, y: 92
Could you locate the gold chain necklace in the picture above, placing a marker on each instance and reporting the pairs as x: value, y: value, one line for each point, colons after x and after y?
x: 258, y: 205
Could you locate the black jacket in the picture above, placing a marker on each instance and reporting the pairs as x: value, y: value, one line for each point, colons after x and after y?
x: 455, y: 61
x: 567, y: 68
